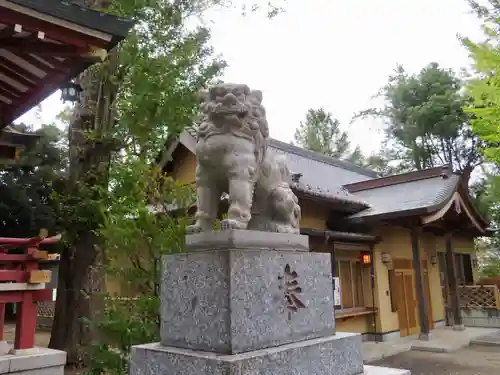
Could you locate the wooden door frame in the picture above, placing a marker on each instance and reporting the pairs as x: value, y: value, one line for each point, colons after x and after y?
x: 406, y: 267
x: 405, y: 329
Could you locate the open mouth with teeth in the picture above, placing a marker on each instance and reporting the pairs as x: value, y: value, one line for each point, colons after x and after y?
x: 231, y: 111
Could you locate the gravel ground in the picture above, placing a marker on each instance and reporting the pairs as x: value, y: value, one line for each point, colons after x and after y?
x: 473, y: 360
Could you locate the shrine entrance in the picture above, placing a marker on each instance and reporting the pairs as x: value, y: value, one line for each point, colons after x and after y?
x: 406, y: 298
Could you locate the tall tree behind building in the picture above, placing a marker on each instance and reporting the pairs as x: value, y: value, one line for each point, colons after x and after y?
x: 321, y: 132
x: 425, y: 124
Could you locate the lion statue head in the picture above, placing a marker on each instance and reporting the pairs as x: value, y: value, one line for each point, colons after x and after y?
x: 231, y: 107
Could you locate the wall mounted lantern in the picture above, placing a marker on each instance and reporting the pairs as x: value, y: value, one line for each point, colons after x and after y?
x: 366, y: 258
x: 70, y: 92
x: 386, y: 258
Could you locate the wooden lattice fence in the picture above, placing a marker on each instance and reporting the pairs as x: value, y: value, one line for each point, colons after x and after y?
x: 479, y: 297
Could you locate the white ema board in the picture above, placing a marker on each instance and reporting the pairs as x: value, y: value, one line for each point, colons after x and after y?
x: 337, y: 301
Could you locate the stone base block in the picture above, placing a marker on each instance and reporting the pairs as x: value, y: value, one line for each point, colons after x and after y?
x: 36, y: 361
x: 237, y: 300
x: 333, y: 355
x: 375, y: 370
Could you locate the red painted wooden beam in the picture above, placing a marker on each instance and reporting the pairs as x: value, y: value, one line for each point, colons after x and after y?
x: 51, y: 31
x: 44, y: 88
x: 17, y: 296
x: 33, y: 241
x: 42, y: 48
x: 19, y: 276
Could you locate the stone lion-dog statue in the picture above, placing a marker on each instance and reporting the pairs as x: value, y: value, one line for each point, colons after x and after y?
x: 232, y: 158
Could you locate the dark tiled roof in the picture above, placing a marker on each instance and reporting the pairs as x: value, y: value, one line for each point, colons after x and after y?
x: 339, y: 195
x: 72, y: 12
x: 317, y: 169
x: 407, y: 196
x: 321, y: 176
x: 336, y: 235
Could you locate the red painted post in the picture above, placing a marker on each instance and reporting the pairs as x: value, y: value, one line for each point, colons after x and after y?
x: 17, y: 268
x: 25, y: 322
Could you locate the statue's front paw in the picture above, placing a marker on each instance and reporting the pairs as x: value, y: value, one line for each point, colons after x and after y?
x: 229, y: 224
x: 194, y: 229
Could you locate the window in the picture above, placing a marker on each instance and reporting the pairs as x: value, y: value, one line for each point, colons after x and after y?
x: 463, y: 263
x: 351, y: 276
x: 463, y: 266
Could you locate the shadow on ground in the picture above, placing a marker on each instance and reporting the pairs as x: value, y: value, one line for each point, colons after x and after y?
x: 473, y: 360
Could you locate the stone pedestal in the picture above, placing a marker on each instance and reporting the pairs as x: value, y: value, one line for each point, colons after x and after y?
x: 243, y: 302
x: 36, y: 361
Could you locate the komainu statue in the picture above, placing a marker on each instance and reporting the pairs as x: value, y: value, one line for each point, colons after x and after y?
x: 232, y: 158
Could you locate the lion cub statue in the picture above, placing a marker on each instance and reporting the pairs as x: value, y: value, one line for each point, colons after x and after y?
x: 232, y: 158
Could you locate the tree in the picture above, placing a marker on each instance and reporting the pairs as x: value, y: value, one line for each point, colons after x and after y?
x: 26, y: 203
x: 484, y: 88
x: 320, y: 132
x: 135, y: 238
x: 146, y: 90
x: 425, y: 124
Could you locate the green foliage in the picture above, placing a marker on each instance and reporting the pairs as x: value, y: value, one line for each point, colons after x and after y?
x: 425, y: 125
x: 484, y: 85
x: 26, y: 203
x: 321, y: 132
x: 484, y: 88
x: 146, y: 218
x: 491, y: 266
x: 146, y: 92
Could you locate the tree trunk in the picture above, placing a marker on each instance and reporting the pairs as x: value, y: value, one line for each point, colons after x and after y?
x: 78, y: 280
x: 81, y: 273
x: 466, y: 175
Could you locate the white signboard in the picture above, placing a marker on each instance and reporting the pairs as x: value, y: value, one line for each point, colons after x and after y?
x: 336, y: 292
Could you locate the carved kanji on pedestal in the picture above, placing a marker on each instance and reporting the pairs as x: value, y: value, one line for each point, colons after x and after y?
x: 290, y: 285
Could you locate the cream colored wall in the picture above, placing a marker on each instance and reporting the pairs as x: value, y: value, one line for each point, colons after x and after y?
x: 184, y: 166
x: 397, y: 242
x: 428, y: 243
x: 313, y: 215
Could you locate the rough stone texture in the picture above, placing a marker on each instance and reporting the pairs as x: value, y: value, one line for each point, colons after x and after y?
x: 36, y: 361
x: 246, y: 240
x: 232, y: 157
x: 481, y: 318
x: 230, y: 301
x: 333, y: 355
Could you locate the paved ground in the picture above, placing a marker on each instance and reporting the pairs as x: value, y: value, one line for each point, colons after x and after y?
x: 489, y: 340
x: 473, y: 360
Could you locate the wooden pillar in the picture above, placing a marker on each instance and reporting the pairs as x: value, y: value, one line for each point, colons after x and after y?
x: 423, y: 309
x: 453, y: 284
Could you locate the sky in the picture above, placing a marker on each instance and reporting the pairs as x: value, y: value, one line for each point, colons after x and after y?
x: 335, y: 54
